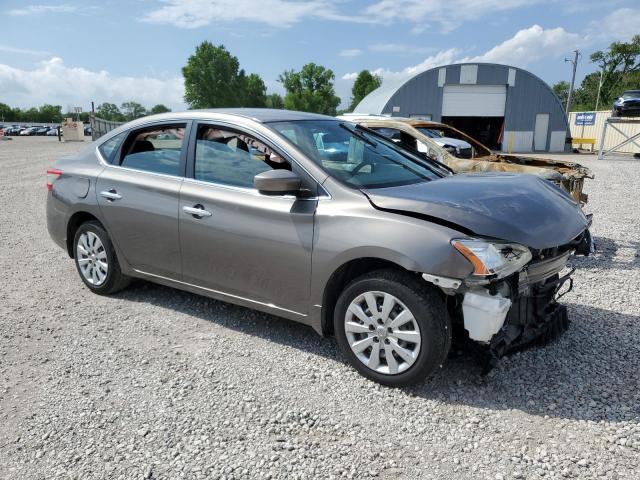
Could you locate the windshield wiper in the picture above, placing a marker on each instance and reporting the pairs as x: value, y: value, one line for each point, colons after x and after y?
x: 358, y: 134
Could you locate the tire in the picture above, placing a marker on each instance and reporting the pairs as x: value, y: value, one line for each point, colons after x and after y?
x: 429, y: 319
x: 92, y: 251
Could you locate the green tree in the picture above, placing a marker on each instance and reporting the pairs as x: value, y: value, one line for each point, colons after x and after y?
x: 30, y: 115
x: 159, y: 109
x: 132, y: 110
x: 109, y: 111
x: 561, y: 89
x: 275, y: 101
x: 212, y: 78
x: 6, y: 113
x: 310, y: 90
x: 50, y: 113
x: 618, y: 70
x: 365, y: 83
x: 254, y: 91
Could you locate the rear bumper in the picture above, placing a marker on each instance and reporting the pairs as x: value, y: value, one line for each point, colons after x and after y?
x: 57, y: 220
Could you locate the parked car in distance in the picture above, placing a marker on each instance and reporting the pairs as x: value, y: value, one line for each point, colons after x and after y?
x: 627, y: 105
x: 13, y: 130
x: 42, y: 131
x: 323, y: 222
x: 52, y: 132
x: 29, y: 131
x: 418, y: 134
x: 87, y: 131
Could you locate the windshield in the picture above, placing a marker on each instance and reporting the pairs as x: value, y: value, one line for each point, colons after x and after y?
x: 630, y: 95
x: 354, y: 156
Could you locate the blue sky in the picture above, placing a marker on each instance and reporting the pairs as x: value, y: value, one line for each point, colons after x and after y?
x: 71, y: 52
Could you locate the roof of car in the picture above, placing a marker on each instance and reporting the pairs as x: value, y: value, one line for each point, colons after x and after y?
x: 265, y: 115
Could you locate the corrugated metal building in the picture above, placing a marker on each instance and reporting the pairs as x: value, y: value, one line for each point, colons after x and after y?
x: 507, y: 108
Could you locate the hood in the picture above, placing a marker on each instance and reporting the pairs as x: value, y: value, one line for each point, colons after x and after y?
x: 518, y: 208
x: 451, y: 141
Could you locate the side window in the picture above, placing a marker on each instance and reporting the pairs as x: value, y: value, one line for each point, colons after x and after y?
x: 232, y: 158
x: 109, y: 148
x: 155, y: 149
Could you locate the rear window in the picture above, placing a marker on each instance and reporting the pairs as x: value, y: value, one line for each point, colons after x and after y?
x: 156, y: 149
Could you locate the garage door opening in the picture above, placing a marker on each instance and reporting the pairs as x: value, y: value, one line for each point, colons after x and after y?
x: 487, y: 130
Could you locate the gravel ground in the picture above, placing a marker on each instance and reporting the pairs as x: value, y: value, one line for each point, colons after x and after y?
x: 157, y: 383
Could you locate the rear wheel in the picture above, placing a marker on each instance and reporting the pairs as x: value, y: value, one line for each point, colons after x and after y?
x: 393, y: 327
x: 96, y: 260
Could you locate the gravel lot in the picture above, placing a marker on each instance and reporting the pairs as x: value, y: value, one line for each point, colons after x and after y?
x: 157, y: 383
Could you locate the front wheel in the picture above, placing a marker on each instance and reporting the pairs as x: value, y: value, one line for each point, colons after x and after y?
x: 96, y: 260
x: 393, y: 327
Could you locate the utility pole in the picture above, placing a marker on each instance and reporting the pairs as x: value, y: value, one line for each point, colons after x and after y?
x: 599, y: 88
x: 573, y: 77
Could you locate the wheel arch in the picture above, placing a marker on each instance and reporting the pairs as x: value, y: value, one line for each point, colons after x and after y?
x: 77, y: 219
x: 342, y: 276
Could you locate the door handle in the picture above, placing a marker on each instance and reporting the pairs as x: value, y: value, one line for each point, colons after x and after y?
x: 111, y: 194
x: 197, y: 211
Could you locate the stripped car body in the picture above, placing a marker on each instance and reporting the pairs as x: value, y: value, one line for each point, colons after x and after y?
x: 569, y: 175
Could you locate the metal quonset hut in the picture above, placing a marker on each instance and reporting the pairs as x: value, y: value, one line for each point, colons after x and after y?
x: 507, y: 108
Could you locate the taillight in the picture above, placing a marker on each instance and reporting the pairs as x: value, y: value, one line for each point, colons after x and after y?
x: 52, y: 175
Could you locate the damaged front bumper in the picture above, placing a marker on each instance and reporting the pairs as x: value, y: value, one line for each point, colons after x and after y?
x: 520, y: 310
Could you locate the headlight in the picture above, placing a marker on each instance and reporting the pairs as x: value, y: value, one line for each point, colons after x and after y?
x: 492, y: 259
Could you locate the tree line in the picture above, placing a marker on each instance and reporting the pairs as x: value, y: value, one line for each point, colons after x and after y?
x: 618, y: 70
x: 53, y: 113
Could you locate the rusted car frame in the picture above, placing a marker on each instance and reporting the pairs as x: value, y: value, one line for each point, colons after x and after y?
x: 568, y: 175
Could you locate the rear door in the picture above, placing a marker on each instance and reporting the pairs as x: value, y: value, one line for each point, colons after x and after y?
x: 244, y: 244
x: 139, y: 194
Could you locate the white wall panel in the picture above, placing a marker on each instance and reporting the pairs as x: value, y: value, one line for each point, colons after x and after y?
x: 556, y: 142
x: 518, y: 141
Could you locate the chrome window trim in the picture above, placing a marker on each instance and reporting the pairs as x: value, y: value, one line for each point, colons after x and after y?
x: 253, y: 191
x: 230, y: 295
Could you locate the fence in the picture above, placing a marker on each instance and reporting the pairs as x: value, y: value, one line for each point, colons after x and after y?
x: 594, y: 131
x: 100, y: 127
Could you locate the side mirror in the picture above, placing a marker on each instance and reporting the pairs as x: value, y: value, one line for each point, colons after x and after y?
x: 277, y: 182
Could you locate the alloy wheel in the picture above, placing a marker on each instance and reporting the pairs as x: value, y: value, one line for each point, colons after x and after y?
x: 382, y: 332
x: 92, y: 258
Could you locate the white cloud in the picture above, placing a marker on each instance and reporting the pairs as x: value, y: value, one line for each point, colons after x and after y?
x: 443, y: 57
x: 350, y: 52
x: 525, y: 47
x: 37, y: 9
x: 23, y: 51
x: 448, y: 15
x: 620, y: 25
x: 51, y: 81
x: 530, y: 45
x: 198, y: 13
